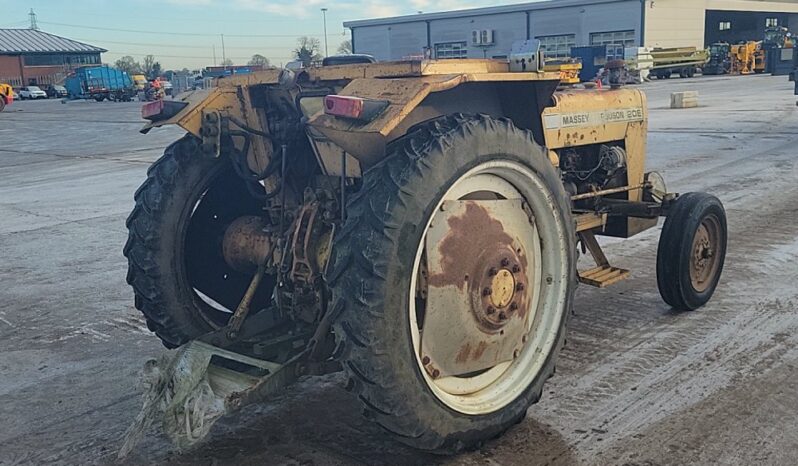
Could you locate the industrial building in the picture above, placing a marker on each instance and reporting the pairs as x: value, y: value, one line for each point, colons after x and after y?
x: 34, y: 57
x: 562, y: 24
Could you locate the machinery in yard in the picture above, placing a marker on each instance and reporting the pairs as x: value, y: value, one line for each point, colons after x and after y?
x: 100, y: 83
x: 6, y: 96
x: 719, y: 59
x: 569, y: 69
x: 416, y: 224
x: 744, y: 58
x: 684, y: 61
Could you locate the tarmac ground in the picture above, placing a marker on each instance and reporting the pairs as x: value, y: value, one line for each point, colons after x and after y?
x: 637, y: 383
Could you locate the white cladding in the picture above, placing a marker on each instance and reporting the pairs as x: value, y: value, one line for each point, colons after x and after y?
x: 668, y: 23
x: 388, y: 40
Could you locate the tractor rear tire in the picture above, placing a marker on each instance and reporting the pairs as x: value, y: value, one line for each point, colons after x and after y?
x: 181, y: 211
x: 692, y: 250
x: 375, y: 257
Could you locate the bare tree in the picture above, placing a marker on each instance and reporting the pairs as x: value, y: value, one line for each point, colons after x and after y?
x: 345, y: 48
x: 307, y: 50
x: 150, y: 67
x: 258, y: 59
x: 128, y: 64
x: 227, y: 62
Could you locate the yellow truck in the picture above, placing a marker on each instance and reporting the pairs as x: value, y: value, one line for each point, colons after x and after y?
x: 139, y: 81
x: 6, y: 96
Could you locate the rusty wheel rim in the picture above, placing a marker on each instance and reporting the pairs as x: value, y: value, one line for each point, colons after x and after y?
x: 517, y: 291
x: 704, y: 257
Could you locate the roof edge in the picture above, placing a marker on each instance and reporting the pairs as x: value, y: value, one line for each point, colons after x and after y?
x: 490, y: 10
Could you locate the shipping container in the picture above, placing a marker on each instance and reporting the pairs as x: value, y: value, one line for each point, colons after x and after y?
x: 593, y: 57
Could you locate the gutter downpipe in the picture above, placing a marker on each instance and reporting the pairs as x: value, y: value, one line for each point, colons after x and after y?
x: 642, y: 23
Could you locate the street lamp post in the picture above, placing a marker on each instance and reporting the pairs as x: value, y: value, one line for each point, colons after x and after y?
x: 324, y: 15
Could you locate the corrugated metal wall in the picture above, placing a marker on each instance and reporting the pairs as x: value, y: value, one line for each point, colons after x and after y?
x: 399, y: 40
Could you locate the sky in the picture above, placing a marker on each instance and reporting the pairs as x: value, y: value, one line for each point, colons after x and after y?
x: 187, y: 33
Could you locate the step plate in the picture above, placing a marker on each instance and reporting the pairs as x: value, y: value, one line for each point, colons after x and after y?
x: 603, y: 276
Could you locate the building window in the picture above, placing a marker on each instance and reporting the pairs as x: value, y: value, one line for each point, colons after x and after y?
x: 724, y: 26
x: 625, y: 38
x: 771, y: 22
x: 55, y: 59
x: 557, y: 46
x: 446, y: 50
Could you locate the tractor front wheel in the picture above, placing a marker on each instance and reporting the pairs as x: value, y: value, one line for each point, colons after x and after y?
x: 692, y: 250
x: 454, y: 277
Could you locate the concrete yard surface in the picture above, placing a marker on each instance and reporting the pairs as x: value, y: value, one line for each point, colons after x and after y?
x: 637, y: 383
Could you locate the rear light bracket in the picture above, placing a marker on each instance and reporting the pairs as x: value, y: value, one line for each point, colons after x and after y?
x: 211, y: 132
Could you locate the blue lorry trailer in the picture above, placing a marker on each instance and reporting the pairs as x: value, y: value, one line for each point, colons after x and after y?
x: 99, y: 83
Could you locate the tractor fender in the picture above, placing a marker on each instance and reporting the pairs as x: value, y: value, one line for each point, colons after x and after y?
x: 417, y: 99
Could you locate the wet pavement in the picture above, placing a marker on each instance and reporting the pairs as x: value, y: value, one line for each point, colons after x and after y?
x: 637, y: 384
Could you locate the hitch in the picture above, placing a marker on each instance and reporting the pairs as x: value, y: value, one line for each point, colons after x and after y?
x: 194, y: 387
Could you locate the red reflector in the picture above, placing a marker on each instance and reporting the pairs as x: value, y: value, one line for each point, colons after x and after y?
x: 343, y: 106
x: 151, y: 109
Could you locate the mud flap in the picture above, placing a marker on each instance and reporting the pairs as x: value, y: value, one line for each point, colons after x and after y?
x: 192, y: 388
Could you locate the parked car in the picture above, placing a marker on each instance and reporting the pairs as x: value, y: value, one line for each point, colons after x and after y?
x: 32, y: 92
x: 56, y: 91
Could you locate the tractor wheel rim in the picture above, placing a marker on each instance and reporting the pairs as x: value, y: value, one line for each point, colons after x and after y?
x: 545, y: 283
x: 704, y: 257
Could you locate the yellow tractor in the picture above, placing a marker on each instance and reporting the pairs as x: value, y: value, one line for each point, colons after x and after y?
x: 415, y: 224
x: 6, y: 96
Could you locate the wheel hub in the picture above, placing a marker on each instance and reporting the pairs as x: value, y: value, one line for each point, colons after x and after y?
x: 478, y: 301
x: 703, y: 260
x: 502, y: 291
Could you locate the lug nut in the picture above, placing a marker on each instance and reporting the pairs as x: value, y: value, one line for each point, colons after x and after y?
x: 486, y: 291
x: 519, y: 287
x: 493, y: 271
x: 490, y: 310
x: 514, y: 306
x: 425, y: 360
x: 436, y: 373
x: 505, y: 262
x: 516, y: 268
x: 515, y: 353
x: 502, y: 316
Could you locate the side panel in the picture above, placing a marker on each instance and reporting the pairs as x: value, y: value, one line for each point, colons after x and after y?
x: 392, y: 42
x: 585, y: 19
x: 507, y: 28
x: 675, y: 23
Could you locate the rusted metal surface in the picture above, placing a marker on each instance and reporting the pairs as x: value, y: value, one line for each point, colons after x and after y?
x: 704, y: 261
x: 246, y: 243
x: 478, y: 295
x: 606, y: 192
x: 584, y: 117
x: 603, y: 274
x: 305, y: 267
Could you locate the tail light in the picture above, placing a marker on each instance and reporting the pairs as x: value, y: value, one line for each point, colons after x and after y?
x: 353, y: 107
x: 161, y: 109
x: 151, y: 109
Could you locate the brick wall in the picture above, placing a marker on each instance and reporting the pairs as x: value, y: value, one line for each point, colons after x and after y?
x: 12, y: 73
x: 10, y: 70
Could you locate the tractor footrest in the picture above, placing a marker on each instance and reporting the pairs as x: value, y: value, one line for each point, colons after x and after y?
x: 603, y: 276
